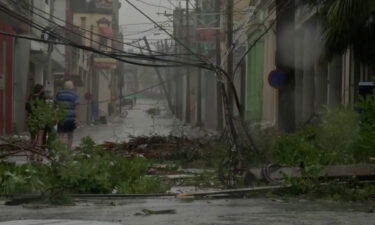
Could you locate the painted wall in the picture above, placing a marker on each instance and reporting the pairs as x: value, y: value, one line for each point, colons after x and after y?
x: 21, y: 72
x: 270, y: 95
x: 254, y: 84
x: 6, y: 81
x: 104, y: 78
x: 96, y: 81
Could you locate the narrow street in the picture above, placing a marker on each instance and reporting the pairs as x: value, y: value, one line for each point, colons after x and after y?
x: 137, y: 123
x: 187, y: 112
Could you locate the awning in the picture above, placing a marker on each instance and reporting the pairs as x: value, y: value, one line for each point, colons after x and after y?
x: 106, y: 31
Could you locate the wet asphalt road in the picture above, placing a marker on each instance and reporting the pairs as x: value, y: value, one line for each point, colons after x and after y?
x: 202, y: 212
x: 137, y: 123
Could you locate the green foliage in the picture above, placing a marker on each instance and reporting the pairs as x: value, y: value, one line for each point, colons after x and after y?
x: 91, y: 169
x: 44, y: 115
x: 343, y: 136
x: 333, y: 141
x: 87, y: 169
x: 366, y: 142
x: 201, y: 153
x: 141, y: 185
x: 351, y: 191
x: 19, y: 179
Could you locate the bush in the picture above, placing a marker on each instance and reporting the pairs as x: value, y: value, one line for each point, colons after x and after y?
x: 88, y: 169
x: 342, y: 136
x: 44, y: 115
x: 366, y: 141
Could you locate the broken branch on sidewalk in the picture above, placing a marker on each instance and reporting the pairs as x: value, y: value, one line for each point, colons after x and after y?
x: 16, y: 146
x: 160, y: 147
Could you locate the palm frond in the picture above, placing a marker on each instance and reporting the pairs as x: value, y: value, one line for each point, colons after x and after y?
x: 348, y: 24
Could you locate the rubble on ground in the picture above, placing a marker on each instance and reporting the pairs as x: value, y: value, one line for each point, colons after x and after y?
x: 156, y: 147
x: 19, y: 146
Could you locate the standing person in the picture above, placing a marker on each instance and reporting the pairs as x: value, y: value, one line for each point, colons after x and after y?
x: 37, y: 130
x: 69, y: 98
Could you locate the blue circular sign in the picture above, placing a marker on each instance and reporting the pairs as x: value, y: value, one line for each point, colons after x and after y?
x: 277, y: 79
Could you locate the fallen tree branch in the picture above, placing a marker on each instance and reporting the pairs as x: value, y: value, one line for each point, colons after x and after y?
x: 18, y: 145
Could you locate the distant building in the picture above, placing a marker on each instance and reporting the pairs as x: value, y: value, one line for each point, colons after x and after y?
x: 99, y: 20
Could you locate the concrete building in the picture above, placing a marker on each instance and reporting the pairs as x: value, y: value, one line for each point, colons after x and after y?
x: 13, y: 85
x: 99, y: 20
x: 292, y: 46
x: 261, y: 98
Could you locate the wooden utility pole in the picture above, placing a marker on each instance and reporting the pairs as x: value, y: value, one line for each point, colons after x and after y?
x: 166, y: 93
x: 49, y: 79
x: 180, y: 78
x: 218, y: 62
x: 188, y: 108
x: 177, y: 23
x: 169, y: 75
x: 90, y: 79
x: 229, y: 48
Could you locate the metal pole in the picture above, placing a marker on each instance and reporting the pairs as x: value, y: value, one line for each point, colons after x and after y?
x: 49, y: 85
x: 199, y: 81
x: 89, y: 82
x: 218, y: 62
x: 188, y: 108
x: 229, y: 47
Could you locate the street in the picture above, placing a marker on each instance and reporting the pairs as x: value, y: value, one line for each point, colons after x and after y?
x: 137, y: 123
x: 262, y: 211
x: 210, y: 112
x: 258, y: 211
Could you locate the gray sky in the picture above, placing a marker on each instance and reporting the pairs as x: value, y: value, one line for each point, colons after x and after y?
x: 130, y: 18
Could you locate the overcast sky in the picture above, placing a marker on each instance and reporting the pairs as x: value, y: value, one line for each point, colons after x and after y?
x: 130, y: 16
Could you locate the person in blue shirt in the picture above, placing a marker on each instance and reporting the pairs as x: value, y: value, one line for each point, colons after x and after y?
x: 68, y: 98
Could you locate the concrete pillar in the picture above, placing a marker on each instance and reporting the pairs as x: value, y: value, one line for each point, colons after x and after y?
x: 321, y: 72
x: 299, y: 75
x: 321, y: 85
x: 335, y: 81
x: 285, y: 61
x: 21, y: 69
x: 308, y: 73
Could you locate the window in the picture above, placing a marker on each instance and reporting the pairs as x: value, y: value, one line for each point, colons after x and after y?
x: 46, y: 1
x: 103, y: 41
x: 83, y: 22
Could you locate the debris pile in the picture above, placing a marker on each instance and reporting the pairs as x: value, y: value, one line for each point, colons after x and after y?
x: 17, y: 146
x: 158, y: 147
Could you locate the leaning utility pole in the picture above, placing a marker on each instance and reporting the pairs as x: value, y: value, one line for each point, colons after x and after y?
x: 90, y: 78
x: 49, y: 78
x: 218, y: 62
x: 162, y: 82
x: 229, y: 48
x: 178, y: 23
x: 188, y: 108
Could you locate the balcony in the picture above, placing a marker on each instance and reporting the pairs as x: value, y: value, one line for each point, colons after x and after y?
x: 17, y: 25
x: 94, y: 6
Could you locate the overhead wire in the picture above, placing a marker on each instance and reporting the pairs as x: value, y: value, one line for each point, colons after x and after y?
x: 201, y: 57
x: 69, y: 42
x: 147, y: 57
x: 150, y: 4
x: 80, y: 28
